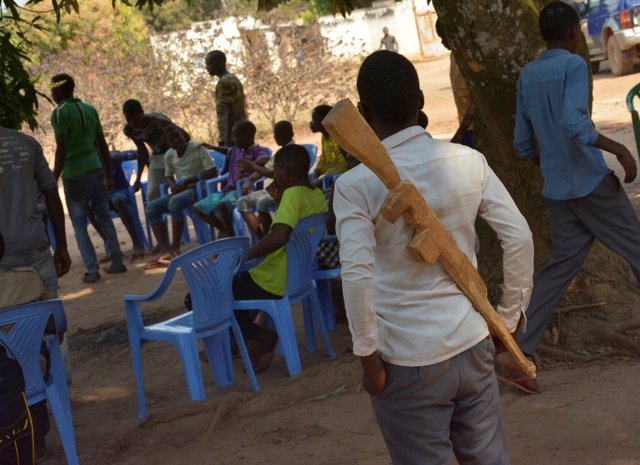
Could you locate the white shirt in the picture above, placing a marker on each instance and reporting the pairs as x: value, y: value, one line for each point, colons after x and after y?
x: 411, y: 312
x: 193, y: 161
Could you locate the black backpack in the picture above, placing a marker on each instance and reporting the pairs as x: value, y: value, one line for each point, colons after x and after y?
x: 16, y: 426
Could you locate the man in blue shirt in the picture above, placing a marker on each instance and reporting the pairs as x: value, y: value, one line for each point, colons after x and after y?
x: 584, y: 199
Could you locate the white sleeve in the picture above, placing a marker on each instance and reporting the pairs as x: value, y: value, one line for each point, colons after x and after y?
x: 500, y: 211
x: 355, y: 231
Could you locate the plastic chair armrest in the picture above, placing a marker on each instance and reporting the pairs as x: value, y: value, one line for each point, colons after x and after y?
x: 213, y: 185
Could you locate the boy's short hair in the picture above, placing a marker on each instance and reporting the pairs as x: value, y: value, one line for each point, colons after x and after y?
x: 294, y: 158
x: 132, y: 107
x: 389, y: 87
x: 245, y: 126
x: 321, y: 111
x: 216, y: 55
x: 556, y: 20
x: 64, y: 82
x: 283, y: 128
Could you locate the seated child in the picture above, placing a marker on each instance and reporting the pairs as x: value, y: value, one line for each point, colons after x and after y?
x: 216, y: 208
x: 261, y: 201
x: 186, y: 163
x: 119, y: 202
x: 332, y: 159
x: 268, y: 280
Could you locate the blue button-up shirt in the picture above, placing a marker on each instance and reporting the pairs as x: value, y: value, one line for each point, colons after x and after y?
x: 552, y: 116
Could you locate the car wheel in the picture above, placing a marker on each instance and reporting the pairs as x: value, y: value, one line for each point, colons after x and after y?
x: 618, y: 64
x: 595, y: 67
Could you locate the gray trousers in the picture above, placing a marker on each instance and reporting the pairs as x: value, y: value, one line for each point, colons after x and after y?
x: 605, y: 214
x: 426, y: 412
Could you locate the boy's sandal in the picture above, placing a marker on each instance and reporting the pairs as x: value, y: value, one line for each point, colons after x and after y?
x: 153, y: 264
x: 166, y: 259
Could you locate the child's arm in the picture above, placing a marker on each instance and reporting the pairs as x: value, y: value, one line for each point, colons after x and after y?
x: 278, y: 237
x: 257, y: 167
x: 622, y: 154
x: 224, y: 150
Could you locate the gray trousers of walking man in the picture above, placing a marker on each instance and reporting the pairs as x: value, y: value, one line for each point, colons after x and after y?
x: 605, y: 214
x: 426, y: 412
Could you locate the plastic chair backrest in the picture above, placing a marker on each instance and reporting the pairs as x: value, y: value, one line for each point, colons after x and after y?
x: 219, y: 159
x: 313, y: 152
x: 21, y: 330
x: 635, y: 119
x: 301, y: 252
x: 208, y: 271
x: 129, y: 167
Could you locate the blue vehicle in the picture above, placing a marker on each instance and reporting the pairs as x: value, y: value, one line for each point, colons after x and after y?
x: 612, y: 30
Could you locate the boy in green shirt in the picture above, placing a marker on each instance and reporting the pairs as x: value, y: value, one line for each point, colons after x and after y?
x: 268, y: 280
x: 82, y: 159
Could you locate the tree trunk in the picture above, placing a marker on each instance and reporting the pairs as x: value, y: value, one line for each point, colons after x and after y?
x: 492, y: 40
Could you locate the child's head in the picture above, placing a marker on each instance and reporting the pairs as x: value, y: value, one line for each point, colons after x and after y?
x: 317, y: 115
x: 559, y: 23
x: 389, y: 91
x: 244, y: 133
x: 283, y: 133
x: 423, y: 119
x: 216, y: 63
x: 291, y: 166
x: 176, y: 140
x: 133, y: 113
x: 62, y: 87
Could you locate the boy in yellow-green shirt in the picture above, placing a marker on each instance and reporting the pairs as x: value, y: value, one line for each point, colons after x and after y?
x: 268, y: 280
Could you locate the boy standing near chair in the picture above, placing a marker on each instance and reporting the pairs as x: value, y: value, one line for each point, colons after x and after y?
x: 216, y: 208
x: 426, y: 353
x: 582, y: 195
x: 186, y: 163
x: 268, y: 280
x: 261, y: 201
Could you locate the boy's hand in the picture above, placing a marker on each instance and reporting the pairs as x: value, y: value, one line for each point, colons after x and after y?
x: 374, y: 375
x: 273, y: 190
x: 245, y: 165
x: 246, y: 187
x: 629, y: 164
x: 62, y: 262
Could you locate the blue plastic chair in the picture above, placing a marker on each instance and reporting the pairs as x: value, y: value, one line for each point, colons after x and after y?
x: 313, y: 152
x: 208, y: 271
x: 130, y: 167
x: 301, y: 250
x: 21, y: 331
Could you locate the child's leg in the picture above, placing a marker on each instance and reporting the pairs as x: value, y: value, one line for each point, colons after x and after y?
x: 226, y: 206
x: 246, y: 206
x: 205, y: 210
x: 609, y: 215
x: 155, y: 209
x: 120, y: 203
x: 265, y: 206
x: 177, y: 205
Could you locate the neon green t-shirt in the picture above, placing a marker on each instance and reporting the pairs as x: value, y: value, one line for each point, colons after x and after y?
x: 80, y: 124
x: 297, y: 202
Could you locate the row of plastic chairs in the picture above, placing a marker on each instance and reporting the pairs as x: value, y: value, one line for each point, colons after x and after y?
x: 208, y: 271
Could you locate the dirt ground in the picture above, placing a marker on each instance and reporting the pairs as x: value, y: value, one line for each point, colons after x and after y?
x: 586, y: 415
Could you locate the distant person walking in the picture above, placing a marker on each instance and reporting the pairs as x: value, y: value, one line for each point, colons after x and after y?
x: 388, y: 42
x: 230, y: 101
x: 82, y: 159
